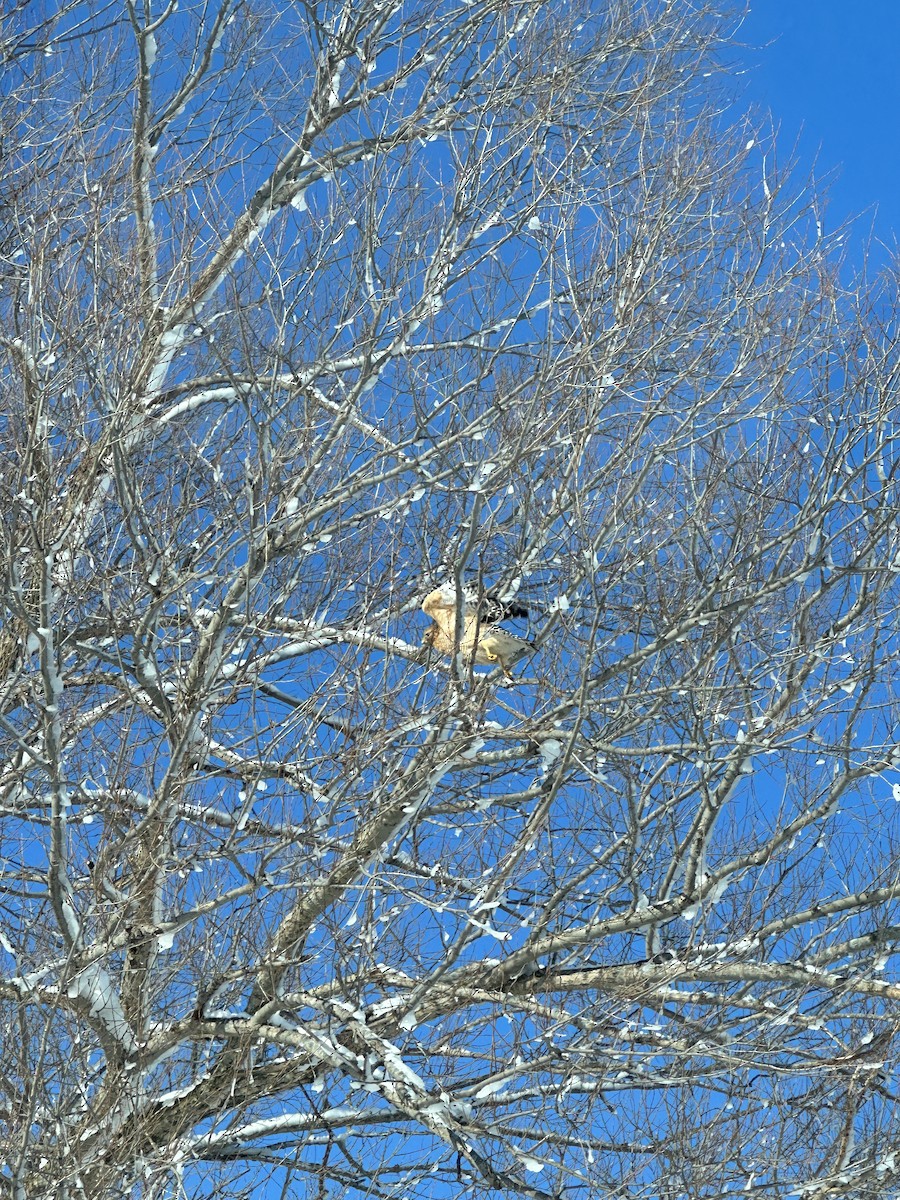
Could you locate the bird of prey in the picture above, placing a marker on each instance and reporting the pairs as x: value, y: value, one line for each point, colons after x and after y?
x: 481, y: 640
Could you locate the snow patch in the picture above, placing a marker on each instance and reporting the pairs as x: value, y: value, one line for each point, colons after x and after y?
x: 549, y: 750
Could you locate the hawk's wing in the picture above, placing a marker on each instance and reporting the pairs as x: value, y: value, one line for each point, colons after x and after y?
x: 492, y: 609
x: 489, y: 609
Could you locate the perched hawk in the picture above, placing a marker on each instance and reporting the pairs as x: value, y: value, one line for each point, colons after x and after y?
x: 480, y: 640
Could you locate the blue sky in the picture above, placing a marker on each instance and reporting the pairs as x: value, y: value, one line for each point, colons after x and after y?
x: 832, y: 76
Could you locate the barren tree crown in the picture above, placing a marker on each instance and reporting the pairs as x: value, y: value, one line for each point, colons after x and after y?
x: 303, y: 305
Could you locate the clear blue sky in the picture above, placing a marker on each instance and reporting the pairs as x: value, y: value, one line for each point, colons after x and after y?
x: 833, y: 71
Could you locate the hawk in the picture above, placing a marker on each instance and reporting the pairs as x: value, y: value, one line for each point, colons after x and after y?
x: 481, y: 640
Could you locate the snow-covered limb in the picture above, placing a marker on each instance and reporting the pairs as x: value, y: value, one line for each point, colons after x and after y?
x: 199, y: 399
x: 335, y: 635
x: 93, y: 988
x: 329, y: 1118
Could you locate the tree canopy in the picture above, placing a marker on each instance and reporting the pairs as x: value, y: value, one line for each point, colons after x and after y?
x: 308, y: 310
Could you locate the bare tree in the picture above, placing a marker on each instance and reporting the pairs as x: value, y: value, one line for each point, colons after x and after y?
x: 308, y: 311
